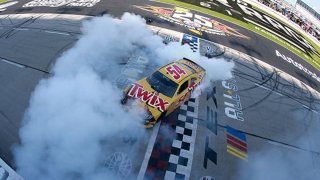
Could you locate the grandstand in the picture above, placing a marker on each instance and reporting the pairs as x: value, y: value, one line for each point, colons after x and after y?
x: 308, y: 12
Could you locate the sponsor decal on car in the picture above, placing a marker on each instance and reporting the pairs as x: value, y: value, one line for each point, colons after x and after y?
x: 181, y: 99
x: 175, y: 71
x: 151, y: 98
x: 194, y: 86
x: 192, y: 65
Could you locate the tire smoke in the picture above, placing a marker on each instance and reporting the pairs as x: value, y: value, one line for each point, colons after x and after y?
x: 75, y: 115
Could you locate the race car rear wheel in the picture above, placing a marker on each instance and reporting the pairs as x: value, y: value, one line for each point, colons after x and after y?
x: 124, y: 100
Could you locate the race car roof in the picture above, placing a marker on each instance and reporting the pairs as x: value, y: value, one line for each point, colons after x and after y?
x: 192, y: 65
x: 189, y: 67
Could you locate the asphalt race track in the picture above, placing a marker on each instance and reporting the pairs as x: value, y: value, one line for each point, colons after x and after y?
x: 260, y: 120
x: 21, y: 72
x: 258, y: 46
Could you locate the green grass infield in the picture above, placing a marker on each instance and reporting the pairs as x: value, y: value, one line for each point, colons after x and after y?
x: 313, y: 60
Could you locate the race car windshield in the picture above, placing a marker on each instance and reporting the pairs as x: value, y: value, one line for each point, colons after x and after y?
x: 162, y: 84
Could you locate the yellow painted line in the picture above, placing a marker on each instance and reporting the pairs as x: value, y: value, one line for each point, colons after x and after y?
x: 182, y: 9
x: 236, y: 151
x: 231, y: 152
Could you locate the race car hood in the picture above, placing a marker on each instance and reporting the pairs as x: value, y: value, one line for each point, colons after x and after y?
x: 157, y: 103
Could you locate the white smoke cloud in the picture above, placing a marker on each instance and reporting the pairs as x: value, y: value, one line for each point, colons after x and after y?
x: 75, y: 115
x: 216, y: 69
x: 281, y: 162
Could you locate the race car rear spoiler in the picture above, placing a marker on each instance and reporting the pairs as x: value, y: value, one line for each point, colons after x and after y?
x: 200, y: 67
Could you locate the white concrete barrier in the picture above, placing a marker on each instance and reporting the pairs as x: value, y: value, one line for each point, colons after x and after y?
x: 7, y: 173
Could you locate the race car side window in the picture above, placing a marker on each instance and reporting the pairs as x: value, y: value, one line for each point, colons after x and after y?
x: 193, y: 80
x: 183, y: 87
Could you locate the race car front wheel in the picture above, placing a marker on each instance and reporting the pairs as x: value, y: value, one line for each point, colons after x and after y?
x: 163, y: 114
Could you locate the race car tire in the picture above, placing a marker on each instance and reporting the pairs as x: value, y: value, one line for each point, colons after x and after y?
x: 163, y: 114
x: 124, y: 100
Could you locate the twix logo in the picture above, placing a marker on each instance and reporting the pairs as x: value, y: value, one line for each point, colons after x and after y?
x: 151, y: 98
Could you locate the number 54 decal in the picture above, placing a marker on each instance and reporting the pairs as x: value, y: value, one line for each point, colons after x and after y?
x: 175, y: 71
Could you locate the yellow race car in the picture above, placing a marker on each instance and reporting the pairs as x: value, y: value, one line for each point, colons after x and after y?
x: 165, y: 90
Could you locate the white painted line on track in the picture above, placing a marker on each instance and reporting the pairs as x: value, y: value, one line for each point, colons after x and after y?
x: 310, y: 109
x: 149, y: 151
x: 3, y: 7
x: 263, y: 87
x: 278, y: 93
x: 21, y: 29
x: 47, y: 31
x: 275, y: 34
x: 13, y: 63
x: 56, y: 32
x: 306, y: 107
